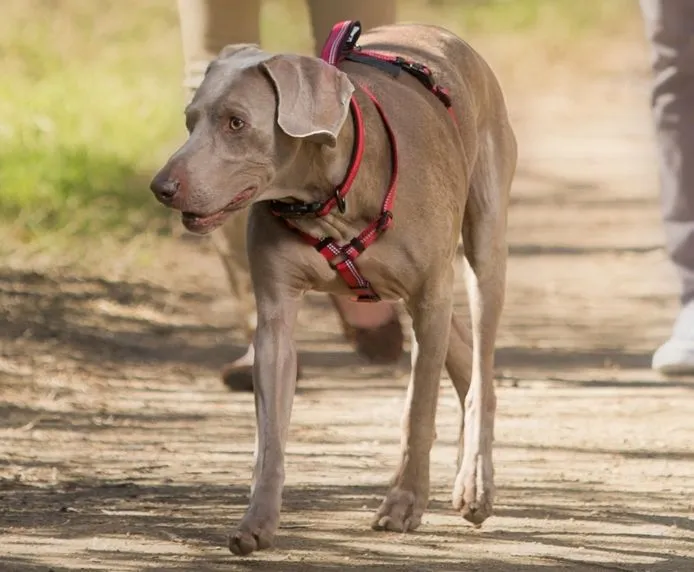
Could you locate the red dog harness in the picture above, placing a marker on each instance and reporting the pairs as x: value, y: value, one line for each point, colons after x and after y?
x: 341, y: 45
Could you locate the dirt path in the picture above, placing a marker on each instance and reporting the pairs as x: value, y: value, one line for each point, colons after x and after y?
x: 121, y: 451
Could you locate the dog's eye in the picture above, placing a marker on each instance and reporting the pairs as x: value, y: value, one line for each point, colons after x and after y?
x: 236, y: 123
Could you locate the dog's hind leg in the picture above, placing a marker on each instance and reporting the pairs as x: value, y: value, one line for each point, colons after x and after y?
x: 484, y: 241
x: 459, y: 367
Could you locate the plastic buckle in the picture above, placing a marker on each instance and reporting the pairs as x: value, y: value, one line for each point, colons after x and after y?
x: 368, y: 298
x: 340, y: 200
x: 384, y: 221
x: 295, y: 210
x: 443, y: 95
x: 419, y: 71
x: 357, y: 245
x: 421, y: 68
x: 353, y: 36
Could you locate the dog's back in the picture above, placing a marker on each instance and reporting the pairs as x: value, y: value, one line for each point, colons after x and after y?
x: 455, y: 64
x: 439, y: 154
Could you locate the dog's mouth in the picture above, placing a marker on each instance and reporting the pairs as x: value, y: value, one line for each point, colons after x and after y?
x: 202, y: 224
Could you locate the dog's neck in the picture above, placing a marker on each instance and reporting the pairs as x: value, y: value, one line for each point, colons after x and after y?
x: 316, y: 172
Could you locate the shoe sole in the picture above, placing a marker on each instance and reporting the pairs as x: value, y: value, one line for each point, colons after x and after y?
x: 675, y: 370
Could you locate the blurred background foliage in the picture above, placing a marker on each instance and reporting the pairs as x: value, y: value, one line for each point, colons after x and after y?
x: 91, y: 98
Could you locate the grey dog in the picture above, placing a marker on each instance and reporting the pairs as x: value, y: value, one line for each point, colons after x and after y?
x: 266, y: 128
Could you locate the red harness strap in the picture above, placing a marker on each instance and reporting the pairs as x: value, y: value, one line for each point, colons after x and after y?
x: 341, y: 44
x: 342, y: 258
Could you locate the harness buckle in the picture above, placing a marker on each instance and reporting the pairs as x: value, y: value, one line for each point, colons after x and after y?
x: 352, y: 36
x: 340, y: 200
x: 443, y: 95
x: 365, y: 293
x: 420, y: 71
x: 384, y: 221
x: 419, y: 68
x: 367, y: 298
x: 357, y: 245
x: 294, y: 210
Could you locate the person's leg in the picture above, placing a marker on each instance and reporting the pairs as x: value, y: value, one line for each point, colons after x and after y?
x: 375, y: 329
x: 209, y: 25
x: 670, y: 28
x: 206, y: 27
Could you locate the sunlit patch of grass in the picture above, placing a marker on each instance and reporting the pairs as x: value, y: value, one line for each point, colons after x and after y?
x: 88, y: 102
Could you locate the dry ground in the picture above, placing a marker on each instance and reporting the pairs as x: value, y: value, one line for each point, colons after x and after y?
x: 121, y: 451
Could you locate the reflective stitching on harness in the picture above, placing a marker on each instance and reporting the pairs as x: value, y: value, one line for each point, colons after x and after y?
x: 341, y: 44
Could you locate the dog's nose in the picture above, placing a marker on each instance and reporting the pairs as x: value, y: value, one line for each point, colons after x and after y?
x: 165, y: 189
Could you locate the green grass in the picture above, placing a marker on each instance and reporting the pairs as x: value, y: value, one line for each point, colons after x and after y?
x: 91, y: 99
x: 90, y: 102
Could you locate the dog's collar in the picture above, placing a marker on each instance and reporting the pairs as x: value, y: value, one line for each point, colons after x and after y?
x: 342, y: 258
x: 320, y: 209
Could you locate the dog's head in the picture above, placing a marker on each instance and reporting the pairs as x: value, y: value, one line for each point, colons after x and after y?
x: 247, y: 123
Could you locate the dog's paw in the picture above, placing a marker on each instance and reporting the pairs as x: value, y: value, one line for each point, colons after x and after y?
x: 474, y: 497
x: 252, y: 535
x: 400, y: 511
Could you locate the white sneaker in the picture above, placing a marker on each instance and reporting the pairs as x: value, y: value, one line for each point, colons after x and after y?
x: 676, y: 356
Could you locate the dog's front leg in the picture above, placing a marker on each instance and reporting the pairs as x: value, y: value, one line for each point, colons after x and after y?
x: 407, y: 498
x: 274, y: 381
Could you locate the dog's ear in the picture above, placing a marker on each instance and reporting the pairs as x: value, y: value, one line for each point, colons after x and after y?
x: 312, y: 97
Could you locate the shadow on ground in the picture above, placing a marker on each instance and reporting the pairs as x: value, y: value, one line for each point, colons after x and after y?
x: 191, y: 515
x: 102, y: 323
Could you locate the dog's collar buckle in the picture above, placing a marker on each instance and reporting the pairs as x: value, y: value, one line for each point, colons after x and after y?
x: 301, y: 210
x: 294, y: 210
x: 340, y: 201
